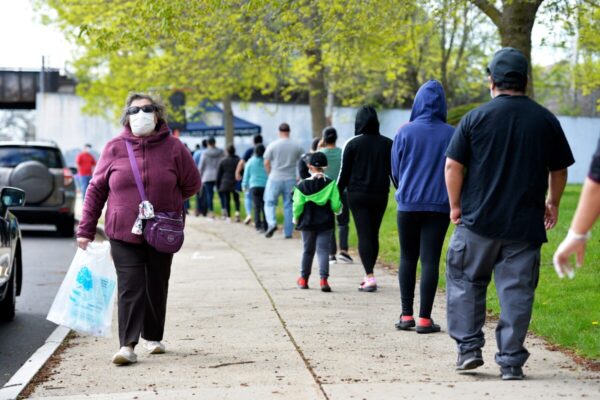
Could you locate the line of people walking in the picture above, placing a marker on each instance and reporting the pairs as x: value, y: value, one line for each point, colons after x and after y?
x: 489, y: 177
x: 498, y: 177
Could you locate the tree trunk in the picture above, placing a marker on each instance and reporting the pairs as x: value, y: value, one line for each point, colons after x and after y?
x: 518, y: 18
x: 317, y: 92
x: 228, y: 120
x: 514, y: 24
x: 329, y: 108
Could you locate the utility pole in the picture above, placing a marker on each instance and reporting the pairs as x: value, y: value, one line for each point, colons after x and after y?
x: 42, y: 76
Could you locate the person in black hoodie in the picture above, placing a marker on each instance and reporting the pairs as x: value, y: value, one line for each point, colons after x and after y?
x: 365, y: 173
x: 226, y: 184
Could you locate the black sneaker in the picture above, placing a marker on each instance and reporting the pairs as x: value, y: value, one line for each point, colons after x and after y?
x: 469, y: 360
x: 433, y: 328
x: 271, y: 231
x: 405, y: 325
x: 345, y: 257
x: 512, y: 373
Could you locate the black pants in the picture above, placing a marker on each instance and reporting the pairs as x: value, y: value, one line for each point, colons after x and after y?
x: 342, y: 222
x: 367, y: 211
x: 226, y: 199
x: 258, y: 203
x: 143, y: 282
x: 422, y: 236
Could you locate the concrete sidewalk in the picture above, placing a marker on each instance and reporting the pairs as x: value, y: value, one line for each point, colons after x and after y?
x: 237, y: 328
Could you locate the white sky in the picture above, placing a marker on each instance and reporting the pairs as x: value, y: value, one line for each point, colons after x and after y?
x: 25, y: 40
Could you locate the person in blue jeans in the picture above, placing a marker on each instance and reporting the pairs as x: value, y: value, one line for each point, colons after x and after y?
x: 85, y: 166
x: 239, y: 175
x: 255, y: 179
x: 280, y: 158
x: 208, y: 171
x: 200, y: 196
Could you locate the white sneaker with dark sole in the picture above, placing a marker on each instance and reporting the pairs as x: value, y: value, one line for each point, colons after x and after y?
x: 154, y: 347
x: 124, y: 356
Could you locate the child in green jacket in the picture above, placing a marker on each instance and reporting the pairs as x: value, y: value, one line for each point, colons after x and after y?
x: 315, y: 201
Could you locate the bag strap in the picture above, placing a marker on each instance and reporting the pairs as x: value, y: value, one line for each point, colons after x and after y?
x: 135, y: 169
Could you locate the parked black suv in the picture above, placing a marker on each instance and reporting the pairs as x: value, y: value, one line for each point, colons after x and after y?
x: 11, y: 267
x: 40, y: 170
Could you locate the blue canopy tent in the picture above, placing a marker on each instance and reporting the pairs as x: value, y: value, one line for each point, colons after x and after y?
x: 208, y: 121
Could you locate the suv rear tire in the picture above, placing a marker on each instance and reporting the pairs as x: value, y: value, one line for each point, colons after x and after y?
x: 35, y: 179
x: 66, y: 227
x: 8, y: 305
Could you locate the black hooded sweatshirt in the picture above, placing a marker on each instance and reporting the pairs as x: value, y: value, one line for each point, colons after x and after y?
x: 366, y: 159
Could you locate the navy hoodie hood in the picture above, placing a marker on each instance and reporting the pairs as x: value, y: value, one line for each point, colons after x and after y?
x: 418, y: 154
x: 366, y: 121
x: 430, y: 102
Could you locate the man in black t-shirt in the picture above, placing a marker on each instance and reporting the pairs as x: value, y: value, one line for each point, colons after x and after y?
x: 503, y: 158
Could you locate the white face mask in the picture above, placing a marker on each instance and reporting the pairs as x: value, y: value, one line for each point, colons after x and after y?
x: 142, y: 123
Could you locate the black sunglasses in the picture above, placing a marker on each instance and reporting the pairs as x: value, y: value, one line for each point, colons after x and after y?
x: 135, y: 109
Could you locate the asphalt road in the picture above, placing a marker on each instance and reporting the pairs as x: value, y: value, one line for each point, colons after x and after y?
x: 46, y: 258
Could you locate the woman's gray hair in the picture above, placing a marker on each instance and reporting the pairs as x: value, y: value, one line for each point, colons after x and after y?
x: 161, y: 112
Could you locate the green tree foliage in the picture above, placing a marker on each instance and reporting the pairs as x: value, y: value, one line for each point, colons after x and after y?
x: 588, y: 68
x: 205, y: 48
x: 376, y: 51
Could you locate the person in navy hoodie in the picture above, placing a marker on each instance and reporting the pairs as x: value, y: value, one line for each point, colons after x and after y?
x: 418, y: 158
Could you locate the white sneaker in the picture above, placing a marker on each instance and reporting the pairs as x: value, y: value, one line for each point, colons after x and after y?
x: 154, y: 347
x: 124, y: 356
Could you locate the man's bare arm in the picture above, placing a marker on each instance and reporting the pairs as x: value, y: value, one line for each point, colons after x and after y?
x: 557, y: 180
x: 238, y: 169
x: 455, y: 176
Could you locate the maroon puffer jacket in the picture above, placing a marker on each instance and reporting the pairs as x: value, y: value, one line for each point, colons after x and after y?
x: 167, y: 170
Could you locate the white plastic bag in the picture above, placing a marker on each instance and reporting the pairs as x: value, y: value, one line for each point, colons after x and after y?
x: 86, y: 297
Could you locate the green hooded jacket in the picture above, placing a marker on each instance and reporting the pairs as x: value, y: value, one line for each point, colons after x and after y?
x: 315, y: 201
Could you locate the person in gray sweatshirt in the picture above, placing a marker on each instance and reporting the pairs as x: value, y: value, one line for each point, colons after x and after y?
x: 208, y: 168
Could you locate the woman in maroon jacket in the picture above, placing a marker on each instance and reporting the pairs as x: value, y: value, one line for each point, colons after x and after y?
x: 170, y: 176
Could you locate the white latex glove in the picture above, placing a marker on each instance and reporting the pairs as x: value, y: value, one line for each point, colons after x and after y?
x: 572, y: 244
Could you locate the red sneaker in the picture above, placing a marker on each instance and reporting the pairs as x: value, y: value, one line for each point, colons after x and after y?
x: 302, y: 283
x: 426, y: 325
x: 325, y: 285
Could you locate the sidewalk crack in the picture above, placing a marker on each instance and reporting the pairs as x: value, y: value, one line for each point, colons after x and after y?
x: 309, y: 367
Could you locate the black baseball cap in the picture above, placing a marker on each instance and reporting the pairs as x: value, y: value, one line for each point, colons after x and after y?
x: 508, y: 65
x: 318, y: 159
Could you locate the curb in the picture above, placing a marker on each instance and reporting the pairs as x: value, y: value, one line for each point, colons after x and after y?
x: 19, y: 381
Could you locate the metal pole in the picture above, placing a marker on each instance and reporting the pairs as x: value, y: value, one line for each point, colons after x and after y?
x: 42, y: 77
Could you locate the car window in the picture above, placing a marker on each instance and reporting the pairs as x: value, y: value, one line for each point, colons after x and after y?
x: 11, y: 156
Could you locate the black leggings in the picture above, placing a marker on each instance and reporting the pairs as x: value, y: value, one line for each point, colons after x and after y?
x: 367, y: 210
x: 225, y: 202
x: 421, y: 235
x: 258, y: 194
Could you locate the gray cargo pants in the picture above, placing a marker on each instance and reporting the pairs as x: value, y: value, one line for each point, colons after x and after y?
x: 470, y: 260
